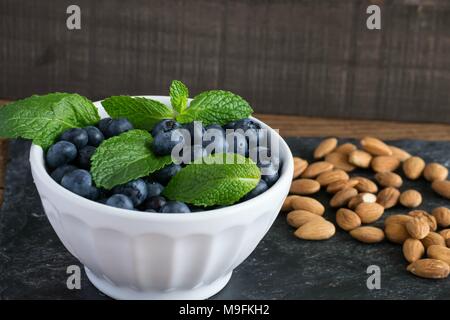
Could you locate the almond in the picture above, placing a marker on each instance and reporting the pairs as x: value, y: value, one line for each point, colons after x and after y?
x: 396, y: 232
x: 388, y: 197
x: 442, y: 215
x: 435, y: 172
x: 316, y: 168
x: 300, y: 166
x: 369, y: 212
x: 342, y: 197
x: 297, y: 218
x: 413, y: 249
x: 325, y: 147
x: 345, y: 148
x: 418, y: 228
x: 308, y: 204
x: 375, y: 147
x: 341, y: 184
x: 389, y: 179
x: 340, y: 161
x: 316, y: 230
x: 445, y: 233
x: 413, y: 167
x: 368, y: 234
x: 428, y: 217
x: 440, y: 253
x: 304, y: 186
x: 360, y: 158
x: 347, y: 219
x: 360, y: 198
x: 442, y: 188
x: 384, y: 163
x: 329, y: 177
x: 287, y: 204
x: 410, y: 198
x: 397, y: 218
x: 433, y: 238
x: 400, y: 154
x: 429, y: 268
x: 365, y: 185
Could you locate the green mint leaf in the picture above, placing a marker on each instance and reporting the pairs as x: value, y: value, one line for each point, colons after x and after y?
x: 142, y: 112
x: 124, y: 158
x: 179, y: 95
x: 43, y: 118
x: 208, y: 184
x: 216, y: 106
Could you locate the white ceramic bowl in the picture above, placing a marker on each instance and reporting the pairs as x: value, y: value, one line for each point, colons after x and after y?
x: 140, y: 255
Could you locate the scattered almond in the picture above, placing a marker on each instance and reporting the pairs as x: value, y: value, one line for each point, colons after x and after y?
x: 341, y: 184
x: 308, y: 204
x: 340, y: 161
x: 316, y: 230
x: 418, y: 228
x: 442, y: 215
x: 413, y: 167
x: 445, y: 233
x: 413, y: 249
x: 345, y: 148
x: 360, y: 198
x: 428, y: 217
x: 435, y: 172
x: 297, y: 218
x: 388, y: 197
x: 316, y: 168
x: 287, y: 204
x: 342, y: 197
x: 360, y: 158
x: 442, y: 188
x: 299, y: 166
x: 440, y: 253
x: 399, y: 153
x: 375, y: 147
x: 397, y: 218
x: 429, y: 268
x: 389, y: 179
x: 325, y: 147
x: 329, y: 177
x: 433, y: 238
x: 384, y: 163
x: 410, y: 198
x: 347, y: 219
x: 365, y: 185
x: 369, y: 212
x: 368, y: 234
x: 396, y: 232
x: 304, y: 186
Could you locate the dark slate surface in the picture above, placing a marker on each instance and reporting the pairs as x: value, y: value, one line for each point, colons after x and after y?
x: 33, y: 262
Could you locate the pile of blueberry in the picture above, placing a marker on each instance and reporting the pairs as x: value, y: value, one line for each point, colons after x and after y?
x: 68, y: 160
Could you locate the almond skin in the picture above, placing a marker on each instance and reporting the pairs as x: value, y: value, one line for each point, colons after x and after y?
x: 316, y: 168
x: 304, y: 186
x: 428, y: 217
x: 308, y: 204
x: 400, y: 154
x: 435, y: 172
x: 445, y: 233
x: 388, y: 197
x: 347, y: 219
x: 360, y: 198
x: 360, y: 158
x: 297, y: 218
x: 341, y: 198
x: 345, y: 148
x: 397, y: 218
x: 413, y: 167
x: 442, y: 215
x: 410, y: 198
x: 340, y: 161
x: 375, y: 146
x: 440, y: 253
x: 384, y: 163
x: 418, y: 228
x: 325, y: 147
x: 329, y: 177
x: 442, y: 188
x: 429, y: 268
x: 396, y: 233
x: 365, y: 185
x: 287, y: 204
x: 341, y: 184
x: 413, y: 250
x: 368, y: 234
x: 369, y: 212
x: 389, y: 179
x: 300, y: 166
x: 433, y: 238
x: 316, y: 230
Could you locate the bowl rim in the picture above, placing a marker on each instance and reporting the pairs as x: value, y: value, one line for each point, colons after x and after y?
x: 37, y: 164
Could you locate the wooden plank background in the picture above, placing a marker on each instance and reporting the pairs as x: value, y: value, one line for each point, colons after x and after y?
x: 293, y: 57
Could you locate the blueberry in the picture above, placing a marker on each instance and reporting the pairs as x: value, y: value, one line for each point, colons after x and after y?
x: 175, y: 207
x: 196, y: 131
x: 164, y: 142
x: 61, y: 153
x: 59, y: 172
x: 269, y: 174
x: 93, y: 194
x: 165, y: 125
x: 246, y: 124
x: 191, y: 153
x: 237, y: 143
x: 104, y: 124
x: 118, y: 126
x: 154, y: 189
x: 229, y: 125
x: 262, y: 156
x: 260, y: 188
x: 77, y: 136
x: 136, y: 190
x: 95, y: 136
x: 164, y: 175
x: 78, y: 181
x: 214, y: 140
x: 154, y: 203
x: 84, y: 157
x: 120, y: 201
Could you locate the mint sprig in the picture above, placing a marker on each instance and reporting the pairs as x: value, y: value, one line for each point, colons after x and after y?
x: 43, y: 118
x: 179, y: 95
x: 210, y: 183
x: 124, y: 158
